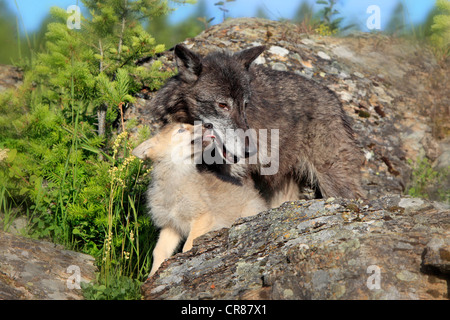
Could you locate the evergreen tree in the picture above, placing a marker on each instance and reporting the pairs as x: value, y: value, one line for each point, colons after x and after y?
x: 261, y: 12
x: 111, y: 40
x: 304, y: 13
x: 169, y: 35
x: 424, y: 29
x: 160, y: 28
x: 15, y: 46
x: 396, y: 24
x: 191, y: 26
x: 440, y: 29
x: 38, y: 37
x: 8, y: 35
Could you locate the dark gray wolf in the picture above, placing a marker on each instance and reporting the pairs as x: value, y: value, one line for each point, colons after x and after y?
x: 316, y: 145
x: 185, y: 202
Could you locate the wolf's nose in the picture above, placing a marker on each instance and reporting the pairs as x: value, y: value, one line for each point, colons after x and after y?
x: 208, y: 125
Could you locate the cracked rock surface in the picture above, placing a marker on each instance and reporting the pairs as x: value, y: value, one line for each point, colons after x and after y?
x: 389, y: 248
x: 39, y: 270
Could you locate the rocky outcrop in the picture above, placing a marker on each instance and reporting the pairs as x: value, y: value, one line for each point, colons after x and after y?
x: 39, y: 270
x: 389, y: 248
x: 10, y: 77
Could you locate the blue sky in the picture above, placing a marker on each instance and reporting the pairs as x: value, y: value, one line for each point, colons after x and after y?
x: 34, y: 11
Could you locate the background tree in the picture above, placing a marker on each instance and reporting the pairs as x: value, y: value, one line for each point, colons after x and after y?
x: 440, y: 29
x: 304, y: 13
x: 170, y: 34
x: 261, y: 12
x: 397, y: 23
x: 8, y: 34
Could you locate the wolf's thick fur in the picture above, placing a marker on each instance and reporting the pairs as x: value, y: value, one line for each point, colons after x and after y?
x: 184, y: 202
x: 316, y: 140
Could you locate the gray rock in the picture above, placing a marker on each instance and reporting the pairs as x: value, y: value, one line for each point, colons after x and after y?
x: 344, y: 52
x: 260, y: 60
x: 10, y: 77
x: 443, y: 161
x: 278, y: 51
x: 33, y: 269
x: 389, y: 248
x: 308, y: 42
x: 323, y: 55
x: 279, y: 66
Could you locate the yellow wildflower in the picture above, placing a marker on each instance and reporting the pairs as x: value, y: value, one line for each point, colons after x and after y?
x: 3, y: 154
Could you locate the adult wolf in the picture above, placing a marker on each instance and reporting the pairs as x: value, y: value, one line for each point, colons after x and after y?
x: 316, y: 143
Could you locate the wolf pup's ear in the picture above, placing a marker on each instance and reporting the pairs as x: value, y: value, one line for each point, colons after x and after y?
x: 144, y: 150
x: 188, y: 62
x: 249, y: 55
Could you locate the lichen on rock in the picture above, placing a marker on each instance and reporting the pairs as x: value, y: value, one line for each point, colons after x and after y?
x: 307, y: 250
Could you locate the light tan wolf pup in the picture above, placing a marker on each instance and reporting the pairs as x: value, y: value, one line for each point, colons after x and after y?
x: 185, y: 202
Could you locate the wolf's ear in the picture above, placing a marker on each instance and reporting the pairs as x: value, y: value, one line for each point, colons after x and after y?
x: 249, y: 55
x: 188, y: 62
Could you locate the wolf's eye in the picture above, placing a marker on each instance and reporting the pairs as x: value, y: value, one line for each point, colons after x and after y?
x: 181, y: 130
x: 224, y: 106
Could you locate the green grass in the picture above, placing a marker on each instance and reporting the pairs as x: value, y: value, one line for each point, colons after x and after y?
x: 96, y: 207
x: 8, y: 215
x: 429, y: 183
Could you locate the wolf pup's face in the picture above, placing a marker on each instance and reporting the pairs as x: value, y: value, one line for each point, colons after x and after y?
x: 180, y: 143
x: 217, y: 91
